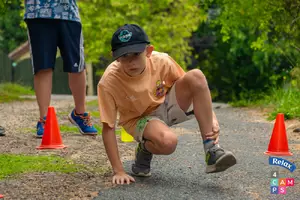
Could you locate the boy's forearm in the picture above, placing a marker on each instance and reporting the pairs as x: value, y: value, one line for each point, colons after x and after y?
x: 111, y: 147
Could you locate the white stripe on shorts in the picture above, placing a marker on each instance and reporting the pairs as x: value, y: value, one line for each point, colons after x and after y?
x: 31, y: 56
x: 81, y: 61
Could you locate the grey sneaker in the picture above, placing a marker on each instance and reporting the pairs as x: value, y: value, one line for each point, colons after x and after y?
x: 218, y: 160
x: 141, y: 166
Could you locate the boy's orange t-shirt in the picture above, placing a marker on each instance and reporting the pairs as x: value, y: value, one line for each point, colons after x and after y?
x: 135, y: 97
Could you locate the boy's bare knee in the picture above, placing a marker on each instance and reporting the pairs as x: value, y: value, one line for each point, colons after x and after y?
x: 168, y: 142
x: 196, y: 79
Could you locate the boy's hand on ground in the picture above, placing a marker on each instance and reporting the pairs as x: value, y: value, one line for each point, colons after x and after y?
x: 122, y: 178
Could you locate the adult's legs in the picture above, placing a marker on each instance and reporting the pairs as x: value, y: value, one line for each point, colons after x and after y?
x: 42, y: 37
x: 77, y: 84
x: 71, y: 48
x: 43, y: 88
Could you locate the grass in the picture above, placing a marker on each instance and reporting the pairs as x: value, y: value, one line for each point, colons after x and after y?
x: 65, y: 128
x: 27, y: 130
x: 68, y: 129
x: 95, y: 114
x: 92, y: 103
x: 62, y: 113
x: 11, y: 164
x: 12, y: 92
x: 286, y: 101
x: 282, y: 100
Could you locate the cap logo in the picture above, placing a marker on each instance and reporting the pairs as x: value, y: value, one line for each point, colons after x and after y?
x: 125, y: 36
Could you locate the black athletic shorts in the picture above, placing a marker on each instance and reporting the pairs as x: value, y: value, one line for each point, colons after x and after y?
x: 45, y: 35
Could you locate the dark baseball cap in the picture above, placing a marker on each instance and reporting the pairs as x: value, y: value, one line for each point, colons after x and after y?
x: 129, y: 38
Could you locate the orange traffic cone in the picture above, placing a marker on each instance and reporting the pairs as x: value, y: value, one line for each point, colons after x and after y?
x: 278, y: 145
x: 51, y: 138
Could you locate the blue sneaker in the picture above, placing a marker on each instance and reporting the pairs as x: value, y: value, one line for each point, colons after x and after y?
x: 40, y: 128
x: 83, y: 123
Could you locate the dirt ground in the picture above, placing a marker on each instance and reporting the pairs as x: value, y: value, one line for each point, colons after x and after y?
x: 20, y: 118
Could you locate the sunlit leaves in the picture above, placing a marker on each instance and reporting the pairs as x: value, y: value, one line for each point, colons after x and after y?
x: 169, y: 24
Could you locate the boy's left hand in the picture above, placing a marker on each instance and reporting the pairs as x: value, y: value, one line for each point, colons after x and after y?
x: 214, y: 135
x: 216, y: 129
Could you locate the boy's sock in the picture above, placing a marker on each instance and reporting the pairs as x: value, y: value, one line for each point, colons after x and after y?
x: 77, y: 113
x: 143, y: 146
x: 208, y: 144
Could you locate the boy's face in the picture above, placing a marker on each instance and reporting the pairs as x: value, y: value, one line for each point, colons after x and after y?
x: 135, y: 63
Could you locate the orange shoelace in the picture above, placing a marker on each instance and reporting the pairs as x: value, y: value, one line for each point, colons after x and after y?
x: 86, y: 120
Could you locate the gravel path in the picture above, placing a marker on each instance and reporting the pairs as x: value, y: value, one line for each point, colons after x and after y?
x: 181, y: 175
x: 178, y: 176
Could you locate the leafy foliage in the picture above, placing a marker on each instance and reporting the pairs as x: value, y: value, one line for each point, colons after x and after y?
x: 11, y: 35
x: 255, y: 45
x: 168, y: 23
x: 295, y: 73
x: 272, y: 21
x: 244, y: 47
